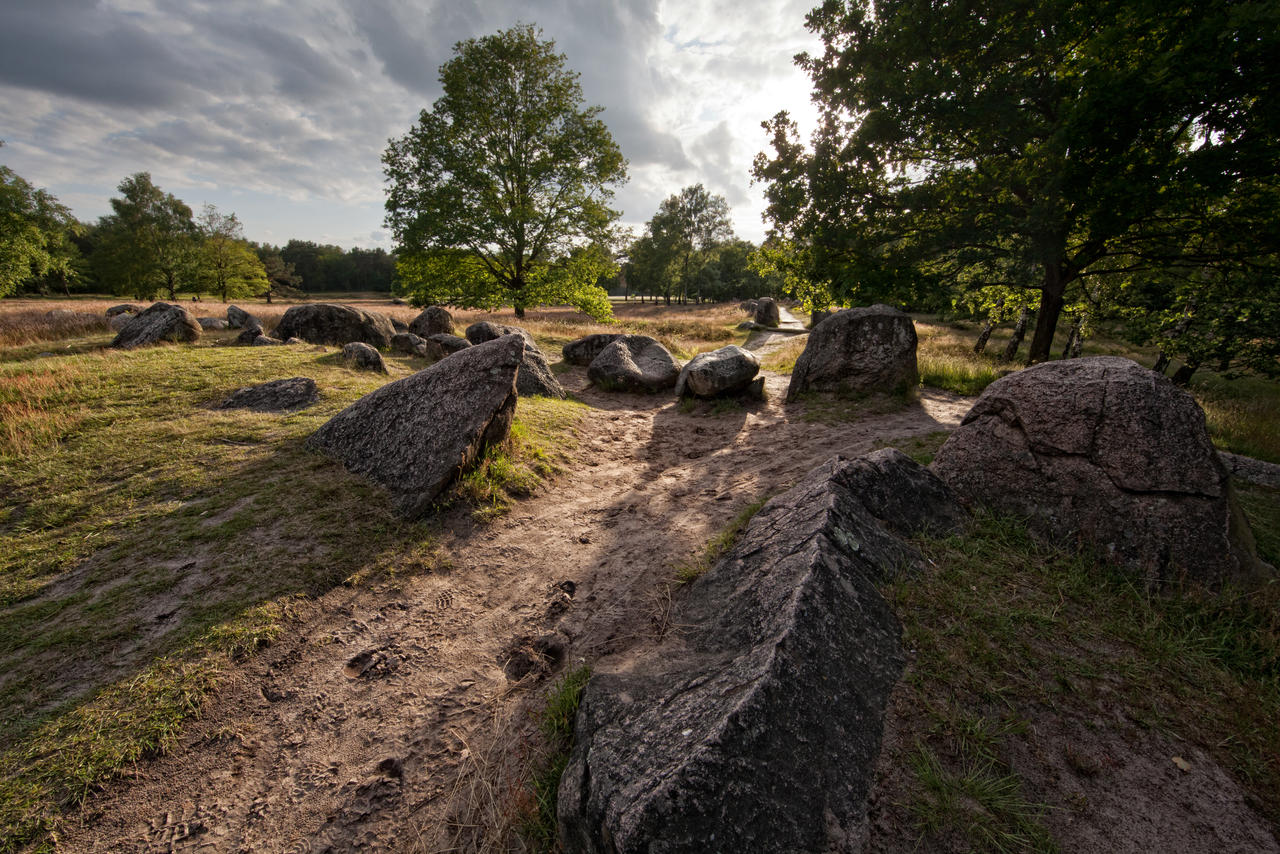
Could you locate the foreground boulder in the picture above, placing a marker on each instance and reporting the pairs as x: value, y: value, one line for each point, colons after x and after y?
x: 584, y: 351
x: 415, y: 435
x: 634, y: 363
x: 757, y: 726
x: 767, y: 313
x: 327, y: 323
x: 434, y: 320
x: 362, y: 357
x: 726, y: 371
x: 275, y: 396
x: 1105, y: 453
x: 858, y: 351
x: 160, y: 322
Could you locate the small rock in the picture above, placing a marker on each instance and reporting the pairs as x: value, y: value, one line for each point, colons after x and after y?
x: 275, y: 396
x: 434, y: 320
x: 363, y: 357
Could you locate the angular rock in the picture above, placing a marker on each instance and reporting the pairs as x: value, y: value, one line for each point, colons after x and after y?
x: 1102, y: 452
x: 450, y: 343
x: 767, y: 313
x: 726, y: 371
x: 160, y: 322
x: 414, y: 435
x: 478, y: 333
x: 249, y: 334
x: 215, y: 323
x: 536, y: 378
x: 327, y: 323
x: 275, y: 396
x: 434, y: 320
x: 361, y: 356
x: 237, y: 316
x: 634, y: 363
x: 757, y: 726
x: 124, y: 308
x: 584, y: 351
x: 399, y: 325
x: 858, y: 351
x: 407, y: 343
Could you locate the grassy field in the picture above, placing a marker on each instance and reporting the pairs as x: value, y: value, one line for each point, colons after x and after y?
x: 147, y: 540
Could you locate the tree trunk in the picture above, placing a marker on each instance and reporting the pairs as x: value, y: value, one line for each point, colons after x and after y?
x: 1162, y: 363
x: 1019, y: 330
x: 1071, y: 349
x: 1051, y: 292
x: 981, y: 346
x: 519, y: 311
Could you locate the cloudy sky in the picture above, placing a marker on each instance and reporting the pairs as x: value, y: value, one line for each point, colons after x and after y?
x: 280, y: 111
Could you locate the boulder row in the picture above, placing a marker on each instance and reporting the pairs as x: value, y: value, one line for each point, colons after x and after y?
x: 722, y: 372
x: 415, y: 435
x: 634, y: 363
x: 858, y: 351
x: 757, y: 726
x: 1104, y: 453
x: 160, y: 322
x: 327, y: 323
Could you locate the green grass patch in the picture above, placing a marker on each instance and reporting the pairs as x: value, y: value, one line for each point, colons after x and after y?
x: 539, y: 827
x: 718, y: 545
x: 1008, y: 632
x: 782, y: 359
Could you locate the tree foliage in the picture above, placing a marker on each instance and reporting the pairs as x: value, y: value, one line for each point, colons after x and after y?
x: 1031, y: 146
x: 509, y: 173
x: 148, y: 243
x: 226, y: 265
x: 35, y: 233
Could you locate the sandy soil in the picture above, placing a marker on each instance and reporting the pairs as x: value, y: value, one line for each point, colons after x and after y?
x: 375, y: 724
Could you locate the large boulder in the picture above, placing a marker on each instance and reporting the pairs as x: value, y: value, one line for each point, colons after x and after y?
x: 757, y: 726
x: 858, y: 351
x: 634, y: 363
x: 160, y: 322
x: 434, y: 320
x: 726, y: 371
x: 237, y: 317
x: 327, y: 323
x: 275, y: 396
x: 584, y: 350
x: 1105, y: 453
x: 767, y: 313
x: 484, y: 330
x: 414, y: 435
x: 362, y: 357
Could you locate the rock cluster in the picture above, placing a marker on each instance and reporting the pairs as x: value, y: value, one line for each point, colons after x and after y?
x: 160, y: 322
x: 757, y: 727
x: 1107, y: 454
x: 858, y: 351
x: 415, y: 435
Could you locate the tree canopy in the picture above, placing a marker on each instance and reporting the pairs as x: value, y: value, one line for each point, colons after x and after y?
x: 226, y: 265
x: 495, y: 194
x: 148, y: 243
x: 35, y: 232
x: 1038, y: 147
x: 687, y: 247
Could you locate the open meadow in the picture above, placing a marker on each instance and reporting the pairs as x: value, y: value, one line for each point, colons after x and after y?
x: 210, y: 634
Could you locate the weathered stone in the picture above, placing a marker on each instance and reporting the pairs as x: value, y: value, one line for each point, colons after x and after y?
x: 119, y: 321
x: 361, y: 356
x: 124, y: 308
x: 749, y: 306
x: 160, y: 322
x: 414, y: 435
x: 406, y: 342
x: 292, y: 342
x: 858, y: 351
x: 249, y: 334
x: 434, y: 320
x: 275, y: 396
x: 584, y: 351
x: 214, y: 323
x: 398, y: 325
x: 818, y: 315
x: 236, y: 317
x: 327, y: 323
x: 767, y: 313
x: 478, y: 333
x: 1105, y: 453
x: 756, y: 727
x: 450, y: 343
x: 260, y: 340
x: 634, y: 363
x: 726, y: 371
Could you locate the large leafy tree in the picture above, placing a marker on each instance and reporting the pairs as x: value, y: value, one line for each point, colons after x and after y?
x: 149, y: 241
x: 1029, y: 145
x: 496, y: 188
x: 35, y: 232
x: 671, y: 256
x: 225, y: 264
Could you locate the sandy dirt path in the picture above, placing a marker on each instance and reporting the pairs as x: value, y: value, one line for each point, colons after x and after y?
x: 353, y: 732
